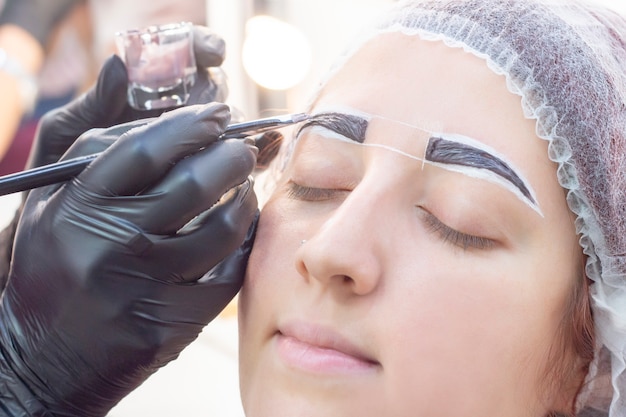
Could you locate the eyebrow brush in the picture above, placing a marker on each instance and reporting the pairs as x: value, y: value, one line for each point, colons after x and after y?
x: 66, y: 170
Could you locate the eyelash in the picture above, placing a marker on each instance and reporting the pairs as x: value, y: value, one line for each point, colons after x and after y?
x: 300, y: 192
x: 434, y: 225
x: 454, y: 237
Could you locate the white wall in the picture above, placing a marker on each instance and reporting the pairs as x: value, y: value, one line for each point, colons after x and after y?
x: 329, y: 25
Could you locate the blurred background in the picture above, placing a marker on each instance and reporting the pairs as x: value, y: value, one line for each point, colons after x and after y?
x: 277, y: 50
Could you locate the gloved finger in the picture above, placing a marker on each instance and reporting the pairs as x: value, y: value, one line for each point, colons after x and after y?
x: 205, y: 90
x: 204, y: 301
x: 207, y: 240
x: 209, y: 48
x: 233, y: 267
x: 196, y: 183
x: 201, y: 301
x: 139, y: 158
x: 101, y: 106
x: 97, y: 140
x: 91, y: 142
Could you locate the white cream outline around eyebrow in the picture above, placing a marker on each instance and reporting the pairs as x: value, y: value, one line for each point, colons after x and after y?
x: 485, y: 174
x: 478, y: 173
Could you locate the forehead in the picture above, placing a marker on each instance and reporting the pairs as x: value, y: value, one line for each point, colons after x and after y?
x: 423, y: 83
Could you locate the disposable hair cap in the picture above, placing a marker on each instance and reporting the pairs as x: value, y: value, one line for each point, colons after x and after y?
x: 567, y: 61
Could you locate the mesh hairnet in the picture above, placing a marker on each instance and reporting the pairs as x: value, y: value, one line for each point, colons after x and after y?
x: 567, y: 61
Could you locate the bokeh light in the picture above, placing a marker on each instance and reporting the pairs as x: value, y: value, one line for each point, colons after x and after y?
x: 275, y: 54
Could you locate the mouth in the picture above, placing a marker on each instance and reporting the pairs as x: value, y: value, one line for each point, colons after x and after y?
x: 320, y: 350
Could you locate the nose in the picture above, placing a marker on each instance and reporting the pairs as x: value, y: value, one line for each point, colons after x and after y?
x: 347, y: 252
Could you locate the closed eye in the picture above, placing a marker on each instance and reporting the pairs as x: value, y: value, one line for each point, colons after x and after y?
x: 300, y: 192
x: 449, y: 235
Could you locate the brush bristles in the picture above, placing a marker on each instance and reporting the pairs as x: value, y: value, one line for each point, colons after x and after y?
x: 269, y: 145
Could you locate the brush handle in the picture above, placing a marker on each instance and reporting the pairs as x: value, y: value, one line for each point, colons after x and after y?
x: 44, y: 175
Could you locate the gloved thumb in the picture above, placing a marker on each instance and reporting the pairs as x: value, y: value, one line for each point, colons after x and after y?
x: 102, y: 105
x: 226, y: 278
x: 235, y: 264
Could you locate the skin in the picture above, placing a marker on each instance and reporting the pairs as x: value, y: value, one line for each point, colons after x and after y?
x: 377, y: 313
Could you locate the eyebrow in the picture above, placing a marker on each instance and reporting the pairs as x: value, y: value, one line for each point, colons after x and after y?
x: 444, y: 151
x: 350, y: 126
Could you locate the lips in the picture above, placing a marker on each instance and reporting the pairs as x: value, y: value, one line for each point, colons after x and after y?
x: 318, y: 349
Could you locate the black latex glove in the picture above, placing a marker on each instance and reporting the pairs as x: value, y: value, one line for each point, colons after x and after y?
x: 37, y: 17
x: 106, y: 105
x: 109, y: 278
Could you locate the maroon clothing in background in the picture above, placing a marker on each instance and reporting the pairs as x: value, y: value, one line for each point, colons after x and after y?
x: 16, y: 156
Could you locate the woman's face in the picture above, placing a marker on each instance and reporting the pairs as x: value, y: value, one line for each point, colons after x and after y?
x: 421, y: 288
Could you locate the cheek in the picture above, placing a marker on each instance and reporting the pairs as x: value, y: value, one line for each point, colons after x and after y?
x: 468, y: 331
x: 264, y: 257
x: 271, y: 260
x: 450, y: 315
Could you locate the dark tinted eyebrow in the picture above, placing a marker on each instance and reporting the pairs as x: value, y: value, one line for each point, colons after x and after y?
x: 444, y: 151
x: 348, y: 125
